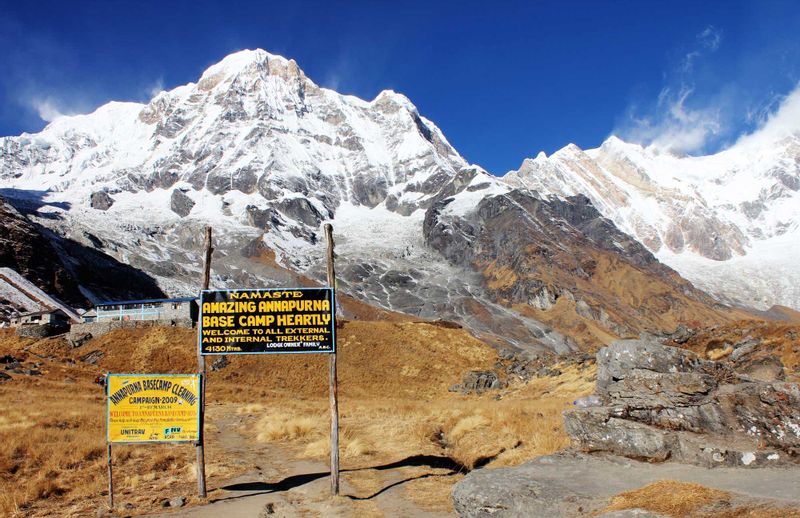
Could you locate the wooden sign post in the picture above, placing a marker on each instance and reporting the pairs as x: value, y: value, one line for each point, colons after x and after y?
x: 269, y: 321
x: 334, y: 388
x: 110, y: 475
x: 150, y: 408
x: 201, y: 369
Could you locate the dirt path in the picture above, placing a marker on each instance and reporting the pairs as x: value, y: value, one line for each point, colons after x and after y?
x: 569, y: 484
x: 277, y: 483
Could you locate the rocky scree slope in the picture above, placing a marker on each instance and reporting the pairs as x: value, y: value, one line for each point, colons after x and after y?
x: 64, y: 268
x: 266, y: 156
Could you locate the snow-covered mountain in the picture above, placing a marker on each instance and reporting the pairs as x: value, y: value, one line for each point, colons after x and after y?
x: 259, y: 151
x: 728, y: 222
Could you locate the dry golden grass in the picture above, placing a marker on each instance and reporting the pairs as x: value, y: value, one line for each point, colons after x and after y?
x: 684, y: 499
x: 394, y: 404
x: 47, y: 441
x: 750, y: 511
x: 669, y: 497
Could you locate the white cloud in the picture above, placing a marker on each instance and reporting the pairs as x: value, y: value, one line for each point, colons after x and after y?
x: 710, y: 38
x: 708, y: 41
x: 156, y: 88
x: 47, y: 109
x: 678, y: 122
x: 783, y: 121
x: 675, y: 127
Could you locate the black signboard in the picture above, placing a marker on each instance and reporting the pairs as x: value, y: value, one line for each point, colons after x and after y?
x: 267, y: 321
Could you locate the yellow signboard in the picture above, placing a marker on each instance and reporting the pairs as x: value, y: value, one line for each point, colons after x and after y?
x: 153, y: 407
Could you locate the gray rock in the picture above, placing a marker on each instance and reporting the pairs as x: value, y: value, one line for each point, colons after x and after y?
x: 369, y: 191
x: 647, y: 389
x: 768, y: 368
x: 480, y: 381
x: 180, y: 203
x: 300, y: 209
x: 78, y: 339
x: 623, y: 356
x: 574, y: 484
x: 263, y: 218
x: 4, y: 377
x: 666, y: 403
x: 681, y: 335
x: 93, y: 357
x: 179, y: 501
x: 219, y: 363
x: 101, y: 200
x: 743, y: 348
x: 768, y: 412
x: 595, y: 429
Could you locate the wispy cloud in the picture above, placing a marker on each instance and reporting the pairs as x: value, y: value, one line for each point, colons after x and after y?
x: 675, y: 127
x: 675, y: 122
x: 778, y: 123
x: 41, y: 79
x: 707, y: 41
x: 47, y: 109
x: 154, y: 89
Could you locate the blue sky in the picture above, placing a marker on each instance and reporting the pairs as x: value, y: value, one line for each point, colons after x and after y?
x: 504, y: 80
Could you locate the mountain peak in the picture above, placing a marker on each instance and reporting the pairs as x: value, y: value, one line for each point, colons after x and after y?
x: 569, y: 149
x: 257, y: 61
x: 616, y: 144
x: 390, y: 97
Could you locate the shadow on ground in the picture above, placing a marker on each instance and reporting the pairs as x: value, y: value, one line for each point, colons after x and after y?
x: 431, y: 461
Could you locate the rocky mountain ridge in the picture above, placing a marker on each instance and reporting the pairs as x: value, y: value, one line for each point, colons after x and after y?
x: 265, y: 156
x: 728, y: 222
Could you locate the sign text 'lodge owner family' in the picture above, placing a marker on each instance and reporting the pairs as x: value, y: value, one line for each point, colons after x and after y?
x: 253, y: 321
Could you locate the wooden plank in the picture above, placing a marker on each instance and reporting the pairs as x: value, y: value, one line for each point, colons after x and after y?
x: 333, y: 386
x: 201, y: 369
x: 110, y: 480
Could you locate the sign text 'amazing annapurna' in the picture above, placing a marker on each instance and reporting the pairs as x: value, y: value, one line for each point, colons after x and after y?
x: 153, y: 407
x: 263, y: 321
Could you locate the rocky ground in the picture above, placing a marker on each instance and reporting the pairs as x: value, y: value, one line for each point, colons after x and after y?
x: 662, y: 412
x: 423, y: 406
x: 576, y: 484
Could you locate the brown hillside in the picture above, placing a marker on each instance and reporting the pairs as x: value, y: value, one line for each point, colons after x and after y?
x: 774, y: 338
x: 394, y: 404
x: 621, y: 299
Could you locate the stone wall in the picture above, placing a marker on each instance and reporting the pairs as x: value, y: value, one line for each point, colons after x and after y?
x: 101, y: 328
x: 40, y: 330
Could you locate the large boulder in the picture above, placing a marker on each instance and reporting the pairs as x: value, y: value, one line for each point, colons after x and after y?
x: 180, y: 203
x: 657, y: 403
x: 101, y: 200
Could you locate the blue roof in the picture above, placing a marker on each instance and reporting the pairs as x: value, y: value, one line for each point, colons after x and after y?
x: 143, y: 301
